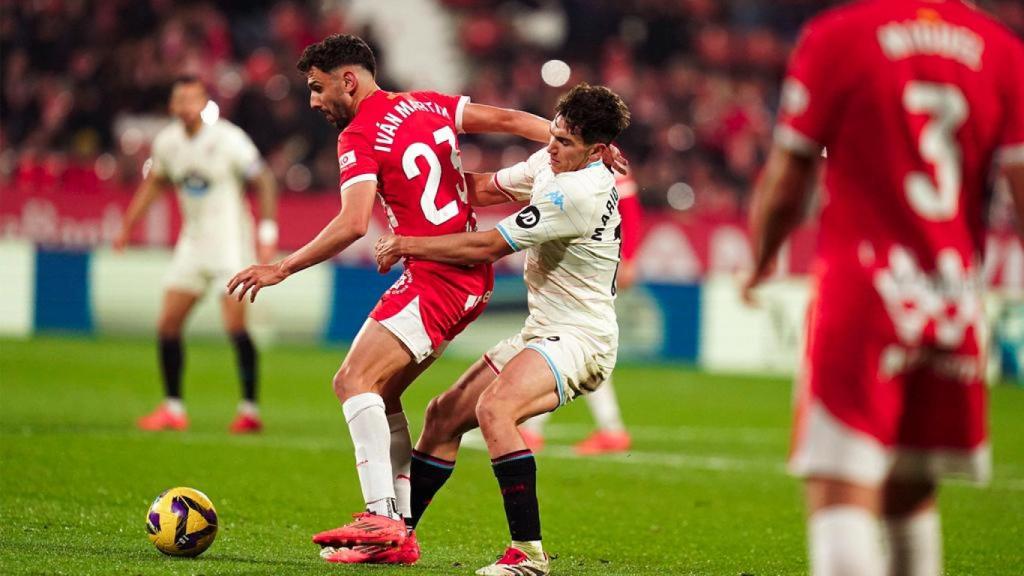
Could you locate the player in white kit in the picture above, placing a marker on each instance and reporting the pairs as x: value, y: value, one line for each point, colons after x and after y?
x: 209, y: 162
x: 568, y: 346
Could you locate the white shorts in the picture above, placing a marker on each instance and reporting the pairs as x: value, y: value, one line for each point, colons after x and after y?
x: 578, y: 365
x: 194, y: 272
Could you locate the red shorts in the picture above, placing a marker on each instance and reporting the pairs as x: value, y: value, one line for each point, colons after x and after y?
x: 432, y: 303
x: 886, y: 388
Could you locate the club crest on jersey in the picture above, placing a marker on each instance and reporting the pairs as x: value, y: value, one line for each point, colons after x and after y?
x: 347, y: 159
x: 528, y: 217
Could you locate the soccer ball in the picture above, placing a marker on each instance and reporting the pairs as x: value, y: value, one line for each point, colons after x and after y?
x: 181, y: 522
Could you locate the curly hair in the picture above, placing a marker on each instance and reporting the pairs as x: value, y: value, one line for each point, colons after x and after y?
x: 337, y: 50
x: 595, y: 113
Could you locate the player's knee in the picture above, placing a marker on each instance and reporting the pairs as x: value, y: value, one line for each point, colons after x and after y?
x: 436, y: 423
x: 905, y: 498
x: 489, y: 411
x: 348, y: 382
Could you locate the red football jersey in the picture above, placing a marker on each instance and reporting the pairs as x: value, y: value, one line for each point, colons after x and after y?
x: 631, y: 213
x: 913, y: 102
x: 407, y: 143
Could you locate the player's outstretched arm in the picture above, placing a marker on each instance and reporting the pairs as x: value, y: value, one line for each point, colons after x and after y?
x: 266, y: 231
x: 481, y: 119
x: 466, y: 248
x: 148, y: 191
x: 777, y: 208
x: 348, y: 226
x: 483, y: 191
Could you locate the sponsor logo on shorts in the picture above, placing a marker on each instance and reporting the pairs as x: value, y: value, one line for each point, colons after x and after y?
x: 554, y: 338
x: 401, y: 285
x: 528, y: 217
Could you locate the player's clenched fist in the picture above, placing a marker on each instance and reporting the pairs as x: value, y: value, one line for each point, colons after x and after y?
x: 387, y: 252
x: 255, y: 277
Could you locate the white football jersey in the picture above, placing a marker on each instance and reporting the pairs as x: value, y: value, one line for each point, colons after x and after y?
x: 209, y: 171
x: 570, y: 232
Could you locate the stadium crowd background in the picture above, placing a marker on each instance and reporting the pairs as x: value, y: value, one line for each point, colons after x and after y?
x: 83, y: 80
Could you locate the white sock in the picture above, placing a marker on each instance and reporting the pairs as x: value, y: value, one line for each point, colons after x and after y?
x: 532, y: 548
x: 604, y: 406
x: 175, y: 406
x: 915, y: 544
x: 249, y: 408
x: 845, y: 541
x: 369, y: 429
x: 536, y: 424
x: 401, y: 461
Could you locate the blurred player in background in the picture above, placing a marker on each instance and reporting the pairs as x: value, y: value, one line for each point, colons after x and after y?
x: 611, y: 436
x: 917, y: 103
x: 209, y: 162
x: 567, y: 348
x: 402, y: 148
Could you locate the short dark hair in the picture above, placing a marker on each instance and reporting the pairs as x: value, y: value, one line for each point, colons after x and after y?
x: 187, y: 79
x: 595, y: 113
x: 337, y: 50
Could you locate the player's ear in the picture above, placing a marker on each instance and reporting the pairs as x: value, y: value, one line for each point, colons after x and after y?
x: 597, y: 151
x: 349, y: 81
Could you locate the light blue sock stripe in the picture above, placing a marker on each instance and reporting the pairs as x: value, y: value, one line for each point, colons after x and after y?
x: 433, y: 463
x: 514, y: 458
x: 554, y: 370
x: 508, y: 237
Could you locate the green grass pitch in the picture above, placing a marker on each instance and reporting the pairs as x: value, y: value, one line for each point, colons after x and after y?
x: 704, y: 491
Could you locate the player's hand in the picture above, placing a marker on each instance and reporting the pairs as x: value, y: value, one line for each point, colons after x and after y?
x: 253, y: 278
x: 755, y: 279
x: 625, y: 277
x: 121, y: 240
x: 265, y: 253
x: 614, y: 159
x: 386, y: 252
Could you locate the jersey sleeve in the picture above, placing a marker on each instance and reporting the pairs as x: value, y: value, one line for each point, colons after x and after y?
x: 455, y: 105
x: 1011, y: 143
x: 356, y: 160
x: 516, y: 181
x: 244, y: 155
x: 632, y: 215
x: 810, y: 93
x: 559, y: 212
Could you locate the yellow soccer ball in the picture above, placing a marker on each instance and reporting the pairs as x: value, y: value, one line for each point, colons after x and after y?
x: 181, y: 522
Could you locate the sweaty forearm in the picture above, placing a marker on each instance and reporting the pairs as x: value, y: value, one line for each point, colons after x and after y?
x: 780, y: 201
x: 147, y: 193
x: 266, y: 190
x: 333, y: 239
x: 467, y: 248
x: 770, y: 227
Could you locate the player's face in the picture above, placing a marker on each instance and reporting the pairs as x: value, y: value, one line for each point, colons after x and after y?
x: 567, y: 150
x: 331, y: 94
x: 188, y: 101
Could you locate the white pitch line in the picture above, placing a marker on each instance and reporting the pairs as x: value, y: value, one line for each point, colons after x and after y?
x: 678, y: 433
x: 474, y: 441
x: 709, y: 463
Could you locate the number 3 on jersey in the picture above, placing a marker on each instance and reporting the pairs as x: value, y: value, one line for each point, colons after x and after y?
x: 428, y: 201
x: 947, y: 109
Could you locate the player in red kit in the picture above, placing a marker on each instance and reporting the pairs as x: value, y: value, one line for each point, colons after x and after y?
x: 402, y: 148
x: 918, y: 104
